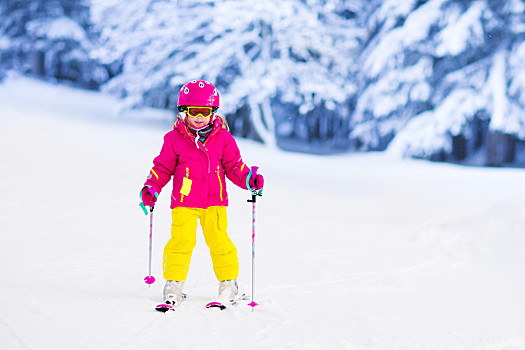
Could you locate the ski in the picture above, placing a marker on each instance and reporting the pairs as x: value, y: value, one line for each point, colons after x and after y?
x: 215, y: 304
x: 222, y: 306
x: 164, y: 308
x: 167, y: 307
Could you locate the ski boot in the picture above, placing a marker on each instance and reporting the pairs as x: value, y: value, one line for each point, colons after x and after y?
x: 173, y: 292
x: 228, y: 291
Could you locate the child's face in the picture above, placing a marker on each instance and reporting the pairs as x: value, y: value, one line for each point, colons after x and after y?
x: 197, y: 122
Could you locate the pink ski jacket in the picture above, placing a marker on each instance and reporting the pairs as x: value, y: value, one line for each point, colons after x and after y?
x: 198, y: 169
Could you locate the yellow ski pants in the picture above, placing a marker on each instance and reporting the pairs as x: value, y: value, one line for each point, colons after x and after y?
x: 178, y: 250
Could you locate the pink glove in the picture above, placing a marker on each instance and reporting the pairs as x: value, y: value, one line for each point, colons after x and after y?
x: 149, y: 195
x: 256, y: 181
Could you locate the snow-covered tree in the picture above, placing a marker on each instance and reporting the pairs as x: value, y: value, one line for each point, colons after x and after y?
x: 437, y: 79
x: 291, y: 55
x: 49, y: 38
x: 394, y: 75
x: 468, y: 91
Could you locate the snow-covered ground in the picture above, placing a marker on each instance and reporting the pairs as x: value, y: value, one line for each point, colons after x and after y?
x: 357, y: 251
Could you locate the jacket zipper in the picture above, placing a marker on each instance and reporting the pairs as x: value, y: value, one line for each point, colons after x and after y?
x: 203, y: 149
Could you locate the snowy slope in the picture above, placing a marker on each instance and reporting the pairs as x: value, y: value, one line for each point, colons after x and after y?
x: 353, y: 251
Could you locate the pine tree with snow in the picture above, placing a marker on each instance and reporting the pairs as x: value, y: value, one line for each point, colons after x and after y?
x: 49, y: 39
x: 395, y: 73
x: 262, y: 55
x: 465, y: 95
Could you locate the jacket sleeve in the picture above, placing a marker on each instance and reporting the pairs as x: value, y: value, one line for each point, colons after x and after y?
x: 163, y: 165
x: 232, y: 163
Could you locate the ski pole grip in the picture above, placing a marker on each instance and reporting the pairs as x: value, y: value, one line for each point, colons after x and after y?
x: 251, y: 175
x: 153, y: 193
x: 253, y: 172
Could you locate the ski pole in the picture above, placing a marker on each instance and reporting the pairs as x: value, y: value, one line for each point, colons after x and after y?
x: 149, y: 279
x: 253, y: 174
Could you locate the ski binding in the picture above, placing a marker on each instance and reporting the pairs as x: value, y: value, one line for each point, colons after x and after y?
x: 164, y: 308
x: 168, y: 306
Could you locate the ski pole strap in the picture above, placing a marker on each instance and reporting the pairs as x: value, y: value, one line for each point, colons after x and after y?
x: 141, y: 204
x: 252, y: 175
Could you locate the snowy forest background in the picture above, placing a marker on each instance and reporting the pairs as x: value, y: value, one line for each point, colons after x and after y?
x: 438, y: 79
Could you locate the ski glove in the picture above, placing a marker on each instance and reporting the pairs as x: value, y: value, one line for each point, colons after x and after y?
x: 149, y: 195
x: 255, y: 181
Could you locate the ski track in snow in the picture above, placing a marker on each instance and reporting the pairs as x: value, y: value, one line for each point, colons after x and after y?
x: 358, y: 251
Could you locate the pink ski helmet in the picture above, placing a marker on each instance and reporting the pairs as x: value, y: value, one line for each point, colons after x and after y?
x: 200, y: 93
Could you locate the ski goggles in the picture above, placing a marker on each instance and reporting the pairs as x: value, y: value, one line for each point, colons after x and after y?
x: 194, y: 111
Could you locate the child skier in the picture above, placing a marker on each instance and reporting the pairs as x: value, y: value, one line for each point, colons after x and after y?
x: 198, y: 153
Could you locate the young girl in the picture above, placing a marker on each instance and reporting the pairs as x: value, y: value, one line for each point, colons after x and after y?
x: 199, y: 153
